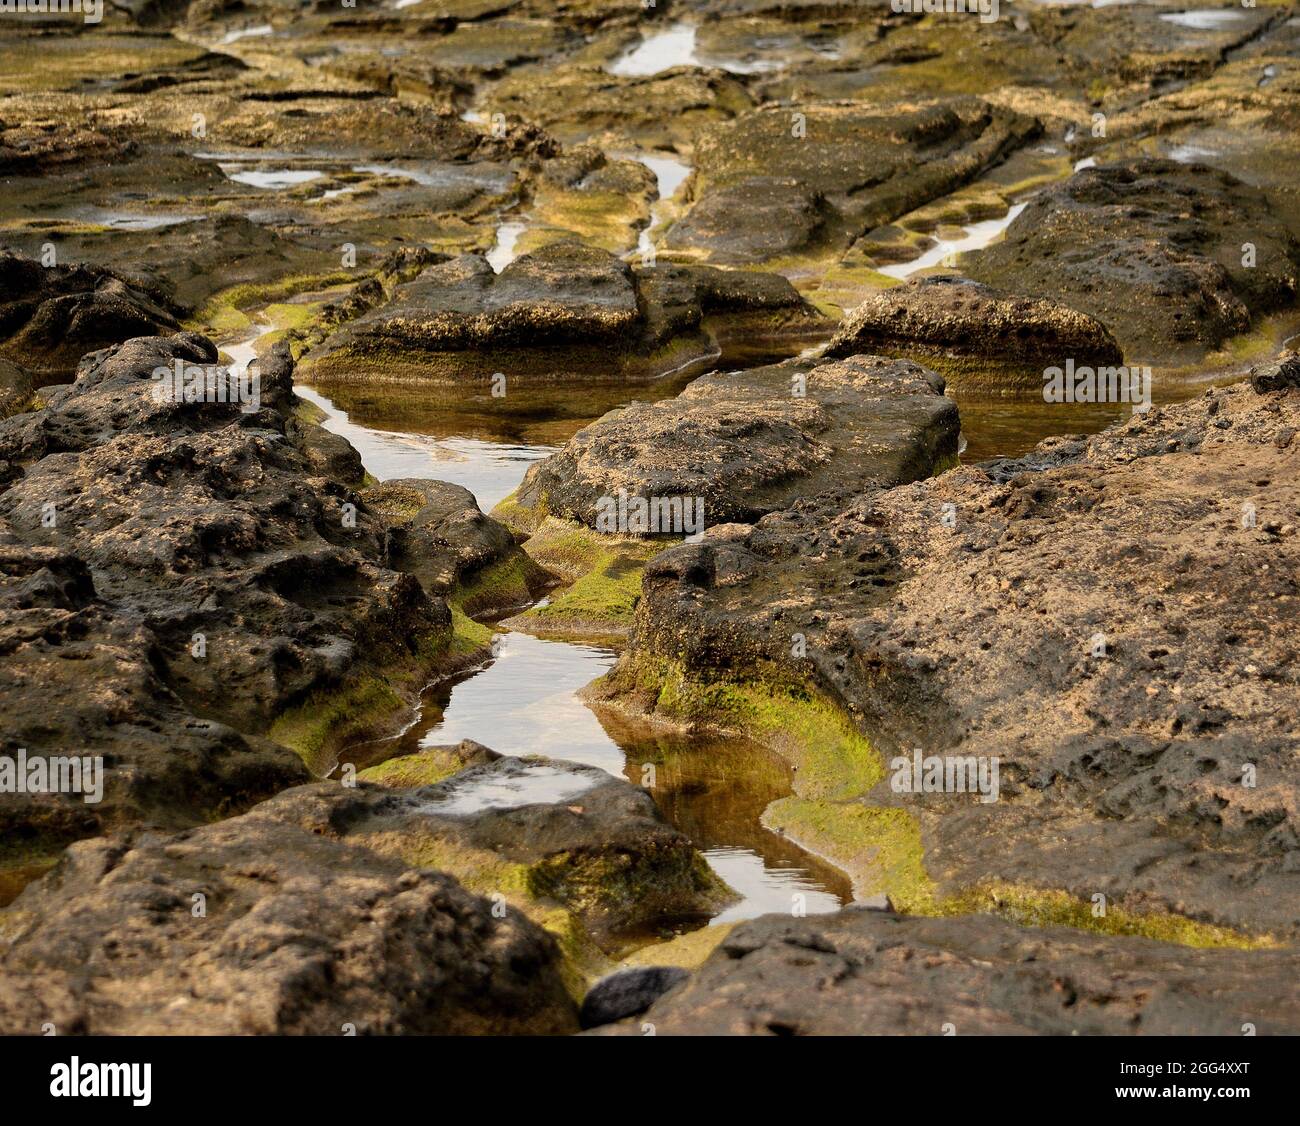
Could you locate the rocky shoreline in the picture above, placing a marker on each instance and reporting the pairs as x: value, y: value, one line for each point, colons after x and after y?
x: 731, y: 289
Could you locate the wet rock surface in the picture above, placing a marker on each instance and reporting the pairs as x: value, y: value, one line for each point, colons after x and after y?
x: 871, y: 973
x: 759, y: 195
x: 948, y: 319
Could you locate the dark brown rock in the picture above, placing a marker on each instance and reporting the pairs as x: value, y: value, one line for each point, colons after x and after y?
x: 748, y: 444
x: 872, y: 973
x: 254, y: 926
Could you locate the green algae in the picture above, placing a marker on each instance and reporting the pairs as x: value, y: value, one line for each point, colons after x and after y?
x: 422, y: 769
x: 687, y: 951
x: 369, y: 703
x: 830, y: 814
x: 502, y: 585
x: 1038, y: 907
x: 605, y: 573
x: 225, y: 312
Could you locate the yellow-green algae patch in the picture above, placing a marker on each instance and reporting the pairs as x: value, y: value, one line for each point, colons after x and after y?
x: 369, y: 704
x: 425, y: 768
x: 832, y: 759
x: 519, y: 518
x: 1036, y: 907
x: 224, y: 313
x: 878, y: 847
x: 685, y: 950
x: 502, y: 585
x: 606, y: 574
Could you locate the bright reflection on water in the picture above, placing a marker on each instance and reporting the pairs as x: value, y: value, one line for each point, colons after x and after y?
x: 715, y: 790
x: 536, y: 782
x: 490, y: 470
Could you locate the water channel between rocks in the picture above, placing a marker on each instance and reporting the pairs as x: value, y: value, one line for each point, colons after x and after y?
x: 524, y: 700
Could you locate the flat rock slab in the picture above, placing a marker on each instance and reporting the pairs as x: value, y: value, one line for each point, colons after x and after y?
x: 567, y: 311
x: 770, y: 186
x: 1153, y: 249
x: 871, y: 973
x: 750, y: 442
x: 975, y: 334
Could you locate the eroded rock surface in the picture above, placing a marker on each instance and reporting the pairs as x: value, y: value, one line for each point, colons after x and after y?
x: 872, y: 973
x: 178, y: 577
x: 51, y: 316
x: 1153, y: 249
x: 750, y: 442
x: 566, y: 311
x: 255, y: 926
x: 438, y: 533
x: 1109, y: 618
x: 948, y: 320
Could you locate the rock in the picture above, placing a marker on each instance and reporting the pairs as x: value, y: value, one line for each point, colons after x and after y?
x: 746, y: 444
x: 1152, y: 249
x: 628, y: 993
x: 879, y: 902
x: 765, y: 192
x: 558, y: 831
x: 871, y: 973
x: 1110, y: 622
x: 564, y: 312
x: 174, y: 573
x: 1276, y: 375
x: 253, y: 927
x: 34, y: 148
x: 438, y: 534
x: 16, y: 389
x: 649, y: 111
x: 51, y: 316
x: 974, y: 334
